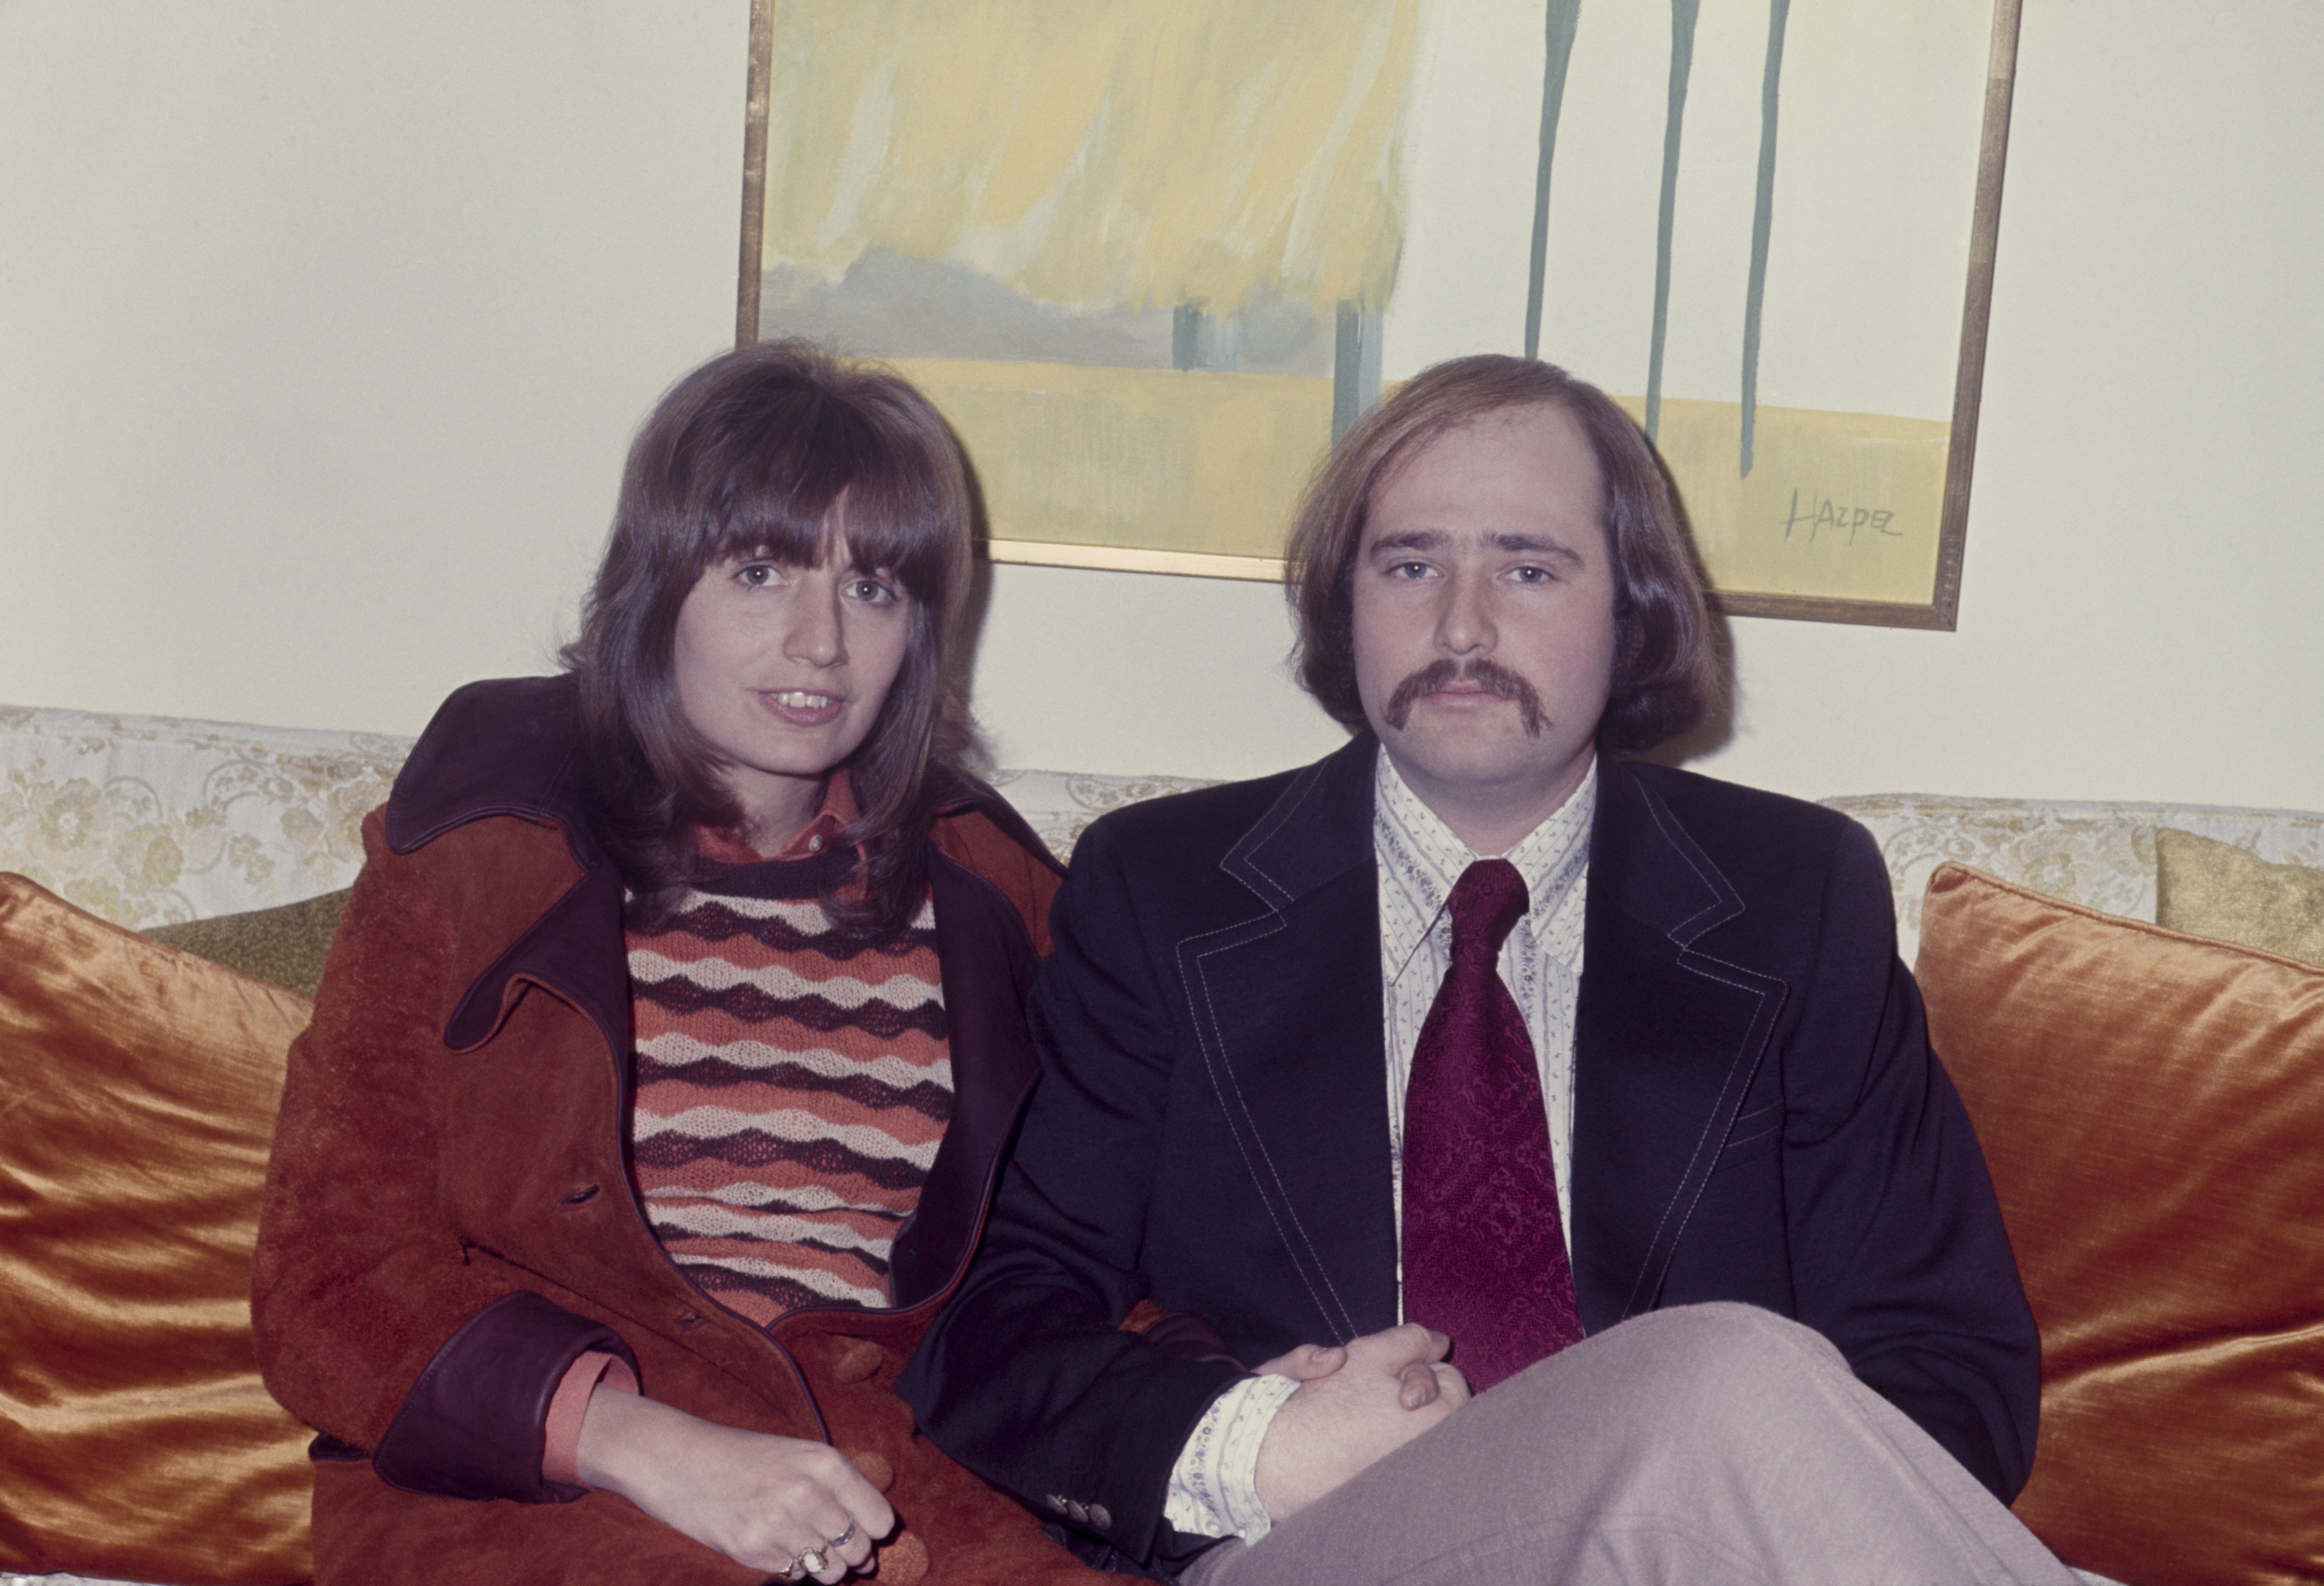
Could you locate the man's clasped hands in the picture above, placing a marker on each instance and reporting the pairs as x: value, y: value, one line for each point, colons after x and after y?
x: 1356, y: 1404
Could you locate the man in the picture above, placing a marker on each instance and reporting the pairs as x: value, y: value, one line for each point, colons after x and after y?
x: 1469, y: 1037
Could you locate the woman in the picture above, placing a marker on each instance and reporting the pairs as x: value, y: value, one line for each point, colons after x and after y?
x: 664, y: 1060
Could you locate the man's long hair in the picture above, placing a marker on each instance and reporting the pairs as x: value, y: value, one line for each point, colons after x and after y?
x: 1666, y: 671
x: 749, y: 455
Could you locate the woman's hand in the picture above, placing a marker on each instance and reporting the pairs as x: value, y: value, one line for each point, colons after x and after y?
x: 760, y: 1500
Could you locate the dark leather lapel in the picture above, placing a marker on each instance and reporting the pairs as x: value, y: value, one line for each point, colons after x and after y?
x: 1667, y: 1041
x: 505, y: 746
x: 1286, y: 1006
x: 510, y: 746
x: 988, y: 965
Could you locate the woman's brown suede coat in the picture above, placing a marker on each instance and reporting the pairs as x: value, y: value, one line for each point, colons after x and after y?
x: 448, y: 1220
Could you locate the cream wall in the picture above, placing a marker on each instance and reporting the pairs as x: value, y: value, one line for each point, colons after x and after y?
x: 322, y: 328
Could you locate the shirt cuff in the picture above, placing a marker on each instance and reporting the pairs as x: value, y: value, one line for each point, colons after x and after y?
x: 560, y: 1437
x: 1214, y: 1485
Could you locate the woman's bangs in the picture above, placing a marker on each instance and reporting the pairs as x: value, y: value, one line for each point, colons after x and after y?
x: 780, y: 526
x: 774, y: 497
x: 779, y: 502
x: 895, y: 526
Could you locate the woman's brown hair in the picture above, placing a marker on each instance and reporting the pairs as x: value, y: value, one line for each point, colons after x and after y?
x: 748, y: 456
x: 1666, y: 672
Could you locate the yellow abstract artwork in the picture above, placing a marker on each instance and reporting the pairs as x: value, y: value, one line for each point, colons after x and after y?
x: 1151, y: 257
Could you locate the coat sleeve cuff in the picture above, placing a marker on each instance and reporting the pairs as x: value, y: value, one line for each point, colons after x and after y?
x: 474, y: 1425
x: 560, y: 1437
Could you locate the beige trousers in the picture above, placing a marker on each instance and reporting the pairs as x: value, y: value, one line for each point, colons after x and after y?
x: 1696, y: 1446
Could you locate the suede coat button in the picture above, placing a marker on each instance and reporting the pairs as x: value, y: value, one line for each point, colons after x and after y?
x: 903, y: 1561
x: 858, y: 1358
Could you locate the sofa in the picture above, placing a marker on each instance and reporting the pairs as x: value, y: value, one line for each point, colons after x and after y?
x: 2151, y: 1096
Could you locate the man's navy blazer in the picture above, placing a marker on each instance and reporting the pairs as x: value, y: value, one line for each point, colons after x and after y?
x: 1758, y: 1117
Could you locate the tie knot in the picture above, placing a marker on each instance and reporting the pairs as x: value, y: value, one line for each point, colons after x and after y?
x: 1486, y: 901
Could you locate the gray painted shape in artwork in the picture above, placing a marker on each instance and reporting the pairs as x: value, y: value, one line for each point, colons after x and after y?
x: 1200, y: 339
x: 1763, y: 215
x: 889, y: 305
x: 1563, y: 17
x: 1681, y: 66
x: 1355, y: 368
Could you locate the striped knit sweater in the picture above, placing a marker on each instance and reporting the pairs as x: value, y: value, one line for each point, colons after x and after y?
x: 793, y: 1082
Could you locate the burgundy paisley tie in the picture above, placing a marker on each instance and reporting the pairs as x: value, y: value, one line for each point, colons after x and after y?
x: 1484, y: 1253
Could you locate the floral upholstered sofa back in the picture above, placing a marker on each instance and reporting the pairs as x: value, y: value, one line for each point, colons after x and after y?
x: 152, y: 820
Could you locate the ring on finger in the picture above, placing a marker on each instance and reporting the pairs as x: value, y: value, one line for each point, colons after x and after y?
x: 842, y: 1539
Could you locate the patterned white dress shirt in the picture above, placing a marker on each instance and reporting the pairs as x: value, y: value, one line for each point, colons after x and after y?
x: 1213, y: 1487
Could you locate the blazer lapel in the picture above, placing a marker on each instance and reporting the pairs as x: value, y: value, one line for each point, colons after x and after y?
x: 1666, y: 1042
x: 1286, y: 1007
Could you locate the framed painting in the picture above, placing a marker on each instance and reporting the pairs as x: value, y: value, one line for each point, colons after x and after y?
x: 1150, y: 256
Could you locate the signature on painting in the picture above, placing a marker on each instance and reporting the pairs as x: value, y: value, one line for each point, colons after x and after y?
x: 1823, y: 514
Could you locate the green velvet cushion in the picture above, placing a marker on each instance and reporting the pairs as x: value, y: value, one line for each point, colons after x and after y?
x: 2216, y: 889
x: 284, y: 946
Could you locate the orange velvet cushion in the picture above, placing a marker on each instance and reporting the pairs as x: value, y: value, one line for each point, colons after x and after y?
x: 2151, y: 1107
x: 138, y: 1086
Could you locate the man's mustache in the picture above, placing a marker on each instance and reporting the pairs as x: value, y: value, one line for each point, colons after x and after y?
x: 1478, y: 673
